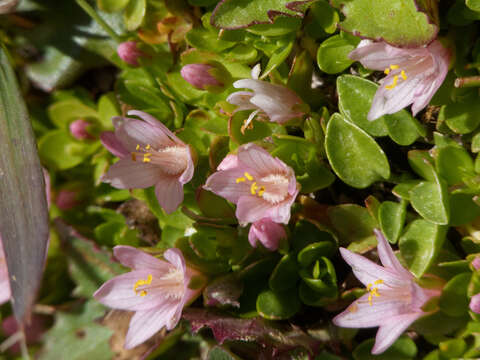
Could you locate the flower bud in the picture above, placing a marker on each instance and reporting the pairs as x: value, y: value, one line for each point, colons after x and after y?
x: 475, y: 303
x: 129, y: 52
x: 211, y: 77
x: 66, y: 199
x: 269, y: 233
x: 79, y: 129
x: 476, y: 263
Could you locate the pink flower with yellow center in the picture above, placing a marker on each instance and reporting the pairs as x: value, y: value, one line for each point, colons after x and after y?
x: 155, y: 289
x: 260, y: 185
x: 412, y: 75
x: 150, y: 155
x: 393, y: 301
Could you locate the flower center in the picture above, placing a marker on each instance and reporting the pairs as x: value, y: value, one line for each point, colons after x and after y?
x: 142, y: 282
x: 402, y: 75
x: 373, y: 290
x: 272, y: 188
x: 171, y: 284
x: 173, y: 160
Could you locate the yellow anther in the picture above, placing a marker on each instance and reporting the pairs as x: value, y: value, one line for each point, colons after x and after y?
x: 137, y: 147
x: 261, y: 191
x: 147, y: 147
x: 134, y: 157
x: 369, y: 286
x: 146, y: 157
x: 240, y: 179
x: 142, y: 282
x: 373, y: 290
x: 394, y: 67
x: 248, y: 176
x: 395, y: 80
x: 379, y: 281
x: 403, y: 75
x: 253, y: 188
x: 387, y: 71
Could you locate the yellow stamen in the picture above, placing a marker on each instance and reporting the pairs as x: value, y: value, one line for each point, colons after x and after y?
x: 261, y: 191
x: 248, y: 176
x: 146, y: 157
x: 379, y: 281
x: 147, y: 147
x: 240, y: 179
x: 137, y: 147
x: 395, y: 80
x: 142, y: 282
x: 387, y: 71
x: 394, y: 67
x: 373, y: 290
x: 403, y: 75
x: 253, y: 188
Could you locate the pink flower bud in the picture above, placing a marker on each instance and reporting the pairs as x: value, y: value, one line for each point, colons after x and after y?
x: 33, y: 331
x: 476, y: 263
x: 79, y: 129
x: 211, y: 77
x: 66, y: 199
x: 475, y: 303
x: 269, y: 233
x: 129, y: 52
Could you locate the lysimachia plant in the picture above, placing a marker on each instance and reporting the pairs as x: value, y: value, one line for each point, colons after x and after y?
x: 240, y: 179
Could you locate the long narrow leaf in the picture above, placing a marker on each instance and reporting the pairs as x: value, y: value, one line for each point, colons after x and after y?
x: 23, y: 205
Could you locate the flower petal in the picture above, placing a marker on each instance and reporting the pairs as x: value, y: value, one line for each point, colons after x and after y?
x: 475, y: 303
x: 169, y: 192
x: 387, y: 256
x: 224, y: 183
x: 257, y: 158
x: 391, y: 329
x: 251, y: 208
x: 129, y: 174
x: 267, y: 232
x: 145, y: 324
x: 229, y: 162
x: 139, y: 260
x: 242, y: 100
x: 187, y: 175
x: 157, y: 124
x: 175, y: 257
x: 112, y: 144
x: 134, y: 132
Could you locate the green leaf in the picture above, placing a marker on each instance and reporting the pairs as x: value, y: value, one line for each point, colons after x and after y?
x: 63, y: 112
x: 463, y: 209
x: 285, y: 274
x: 422, y: 163
x: 462, y: 118
x: 454, y: 164
x: 354, y: 156
x: 397, y: 22
x: 77, y: 336
x: 234, y: 14
x: 402, y: 349
x: 332, y: 54
x: 420, y: 244
x: 279, y: 55
x: 473, y: 4
x: 260, y: 129
x: 454, y: 300
x: 134, y: 14
x: 24, y: 220
x: 219, y: 353
x: 112, y: 5
x: 391, y: 216
x: 277, y: 305
x: 430, y: 200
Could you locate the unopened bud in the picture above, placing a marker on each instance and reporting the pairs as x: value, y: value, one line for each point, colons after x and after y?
x: 211, y: 77
x: 66, y: 199
x: 130, y: 53
x: 79, y: 129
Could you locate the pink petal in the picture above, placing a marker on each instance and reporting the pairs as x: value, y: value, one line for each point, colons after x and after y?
x: 118, y: 293
x: 257, y: 158
x: 129, y: 174
x: 251, y: 208
x: 388, y: 258
x: 267, y: 232
x: 139, y: 260
x: 475, y: 303
x: 242, y: 100
x: 188, y: 173
x: 134, y: 132
x: 230, y: 161
x: 112, y: 144
x: 360, y: 314
x: 476, y: 263
x: 169, y: 192
x: 224, y: 183
x: 388, y: 333
x: 280, y: 213
x: 5, y: 292
x: 175, y: 257
x: 368, y: 272
x: 157, y: 124
x: 145, y: 324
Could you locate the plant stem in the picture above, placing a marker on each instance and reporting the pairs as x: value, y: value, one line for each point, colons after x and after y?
x: 93, y: 14
x: 471, y: 81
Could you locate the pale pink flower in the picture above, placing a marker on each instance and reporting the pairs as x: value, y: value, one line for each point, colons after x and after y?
x: 79, y: 129
x: 413, y: 75
x: 475, y: 303
x: 476, y: 263
x: 260, y: 185
x: 201, y: 76
x: 150, y: 154
x: 266, y: 231
x: 129, y: 52
x: 393, y: 302
x: 155, y: 289
x: 276, y: 102
x: 5, y: 292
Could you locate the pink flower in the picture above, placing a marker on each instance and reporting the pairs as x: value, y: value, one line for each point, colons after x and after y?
x: 150, y: 154
x: 276, y: 102
x: 128, y: 51
x: 268, y: 232
x: 476, y: 263
x: 66, y: 199
x: 413, y: 75
x: 79, y: 129
x: 260, y: 185
x: 475, y: 303
x: 393, y: 301
x: 5, y: 292
x: 156, y: 290
x: 206, y: 76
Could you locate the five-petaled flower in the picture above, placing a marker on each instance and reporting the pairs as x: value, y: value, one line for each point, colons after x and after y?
x: 150, y: 154
x: 156, y: 290
x: 275, y: 102
x: 260, y: 185
x: 393, y: 301
x: 413, y: 75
